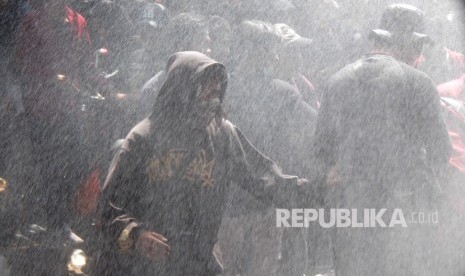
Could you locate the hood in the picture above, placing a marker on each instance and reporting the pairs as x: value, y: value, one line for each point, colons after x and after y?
x: 185, y: 71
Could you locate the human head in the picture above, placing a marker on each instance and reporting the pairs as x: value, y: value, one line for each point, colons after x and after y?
x: 193, y: 90
x: 401, y: 32
x: 149, y: 18
x: 289, y: 50
x: 185, y: 32
x: 257, y: 47
x: 110, y: 25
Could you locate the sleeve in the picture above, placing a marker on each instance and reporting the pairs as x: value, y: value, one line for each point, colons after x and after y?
x: 432, y: 132
x: 323, y: 150
x: 325, y: 142
x: 119, y: 209
x: 261, y: 177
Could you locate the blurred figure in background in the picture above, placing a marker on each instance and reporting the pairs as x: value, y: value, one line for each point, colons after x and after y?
x: 247, y: 220
x: 12, y: 136
x: 147, y: 13
x: 280, y: 124
x: 185, y: 32
x: 113, y: 30
x: 439, y: 61
x: 221, y: 35
x: 53, y: 56
x: 118, y: 64
x: 150, y: 19
x: 10, y: 16
x: 323, y: 22
x: 290, y: 66
x: 452, y: 102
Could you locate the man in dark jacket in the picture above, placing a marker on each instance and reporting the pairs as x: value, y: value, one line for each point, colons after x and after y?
x: 381, y: 133
x: 164, y: 196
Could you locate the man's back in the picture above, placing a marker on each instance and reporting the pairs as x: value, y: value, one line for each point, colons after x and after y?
x: 381, y: 133
x: 379, y: 118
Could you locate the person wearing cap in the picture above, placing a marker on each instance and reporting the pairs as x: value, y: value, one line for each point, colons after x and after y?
x: 380, y: 131
x: 291, y: 65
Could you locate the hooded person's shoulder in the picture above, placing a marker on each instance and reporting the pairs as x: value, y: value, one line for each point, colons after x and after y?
x: 227, y: 131
x: 226, y: 127
x: 137, y: 136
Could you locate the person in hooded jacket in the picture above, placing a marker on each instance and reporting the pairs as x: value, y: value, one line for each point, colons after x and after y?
x: 381, y: 135
x: 166, y: 189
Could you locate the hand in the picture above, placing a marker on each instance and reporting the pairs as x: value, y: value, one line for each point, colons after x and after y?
x: 302, y: 181
x: 153, y: 246
x: 120, y: 96
x: 334, y: 179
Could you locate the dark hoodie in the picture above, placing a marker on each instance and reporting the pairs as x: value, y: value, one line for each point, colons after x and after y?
x: 172, y: 178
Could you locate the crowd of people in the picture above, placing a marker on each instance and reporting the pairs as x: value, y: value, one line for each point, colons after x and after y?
x: 176, y: 128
